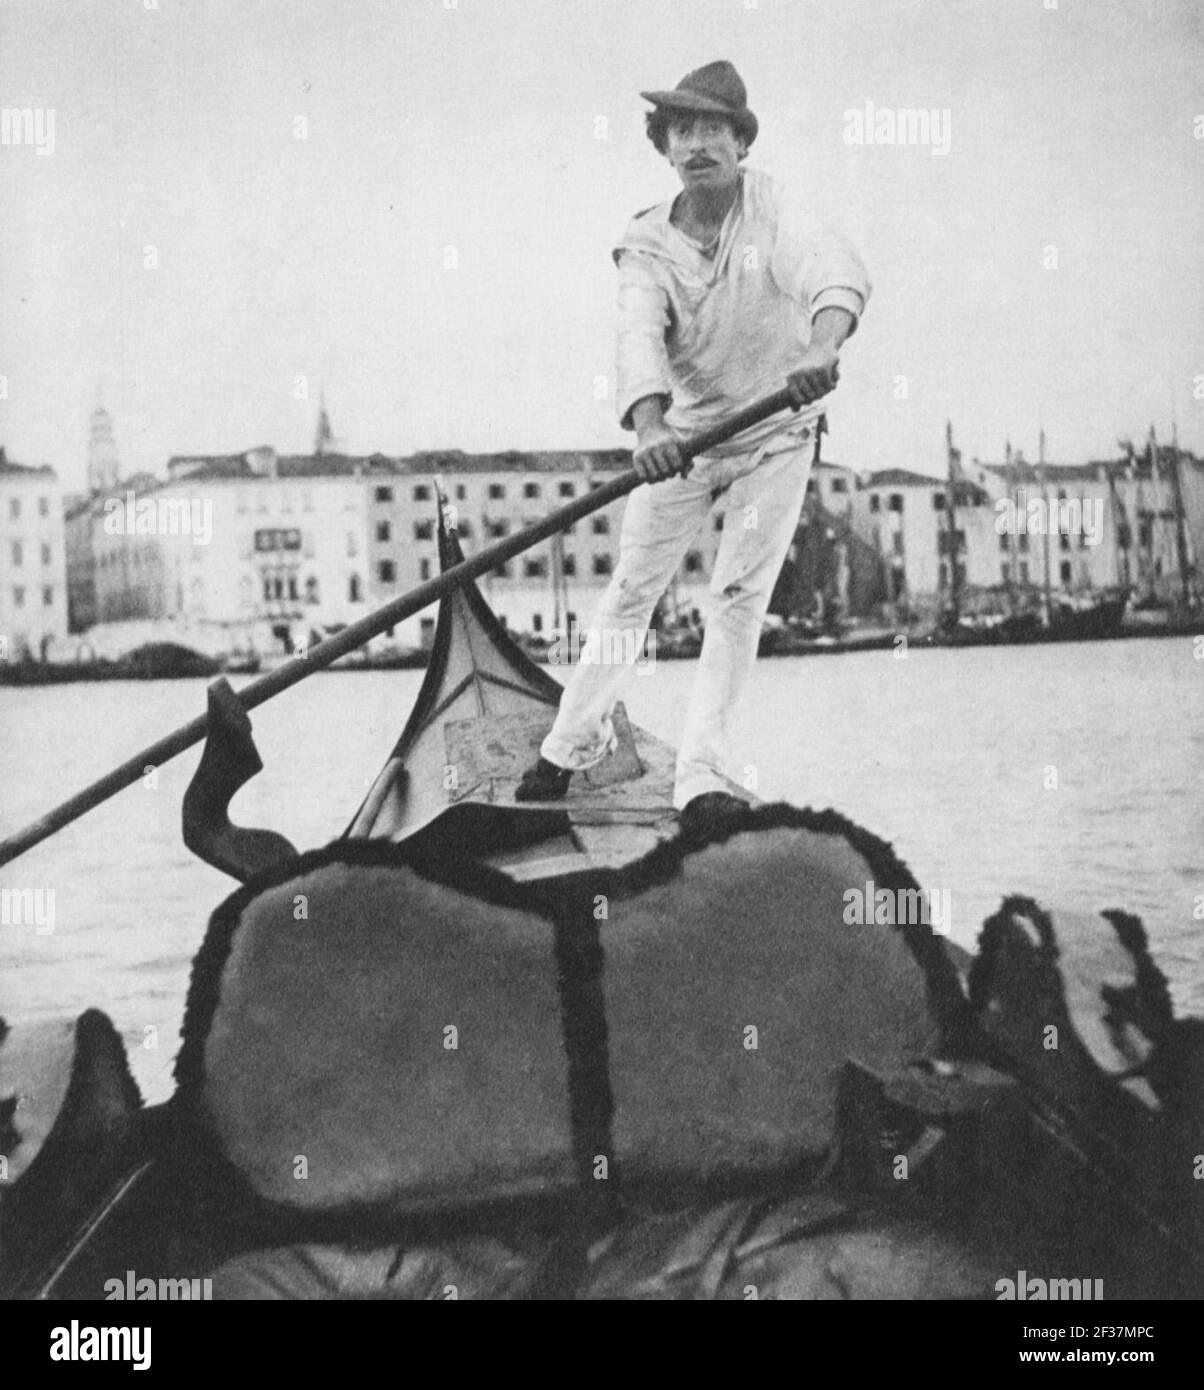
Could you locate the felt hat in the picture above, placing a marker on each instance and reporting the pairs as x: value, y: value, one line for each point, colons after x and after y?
x: 716, y: 88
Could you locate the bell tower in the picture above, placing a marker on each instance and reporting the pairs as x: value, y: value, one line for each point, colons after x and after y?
x: 103, y: 468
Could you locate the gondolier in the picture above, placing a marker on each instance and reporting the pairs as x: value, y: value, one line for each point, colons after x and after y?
x: 725, y: 291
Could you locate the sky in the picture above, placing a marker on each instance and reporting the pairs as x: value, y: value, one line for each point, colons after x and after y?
x: 410, y: 205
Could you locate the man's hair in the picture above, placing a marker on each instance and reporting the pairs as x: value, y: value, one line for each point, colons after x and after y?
x: 658, y: 121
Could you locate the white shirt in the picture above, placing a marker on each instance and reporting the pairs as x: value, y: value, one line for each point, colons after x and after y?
x: 712, y: 334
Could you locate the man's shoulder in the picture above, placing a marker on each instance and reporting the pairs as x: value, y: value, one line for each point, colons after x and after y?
x: 646, y: 231
x: 763, y: 193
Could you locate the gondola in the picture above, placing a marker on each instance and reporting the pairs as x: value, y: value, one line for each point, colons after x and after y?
x: 482, y: 1049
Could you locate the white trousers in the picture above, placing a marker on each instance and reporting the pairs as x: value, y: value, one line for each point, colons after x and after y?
x: 760, y: 496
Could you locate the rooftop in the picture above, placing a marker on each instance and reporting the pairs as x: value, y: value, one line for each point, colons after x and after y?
x: 233, y: 467
x: 21, y: 470
x: 903, y: 477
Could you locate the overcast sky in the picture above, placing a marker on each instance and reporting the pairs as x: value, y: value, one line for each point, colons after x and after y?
x: 512, y: 131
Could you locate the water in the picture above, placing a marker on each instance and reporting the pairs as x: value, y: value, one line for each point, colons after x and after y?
x: 946, y: 753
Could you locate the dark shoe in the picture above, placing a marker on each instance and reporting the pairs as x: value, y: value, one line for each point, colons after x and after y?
x: 543, y: 782
x: 711, y: 814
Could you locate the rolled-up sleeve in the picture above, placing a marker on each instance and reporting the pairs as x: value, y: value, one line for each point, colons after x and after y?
x: 817, y: 267
x: 642, y: 362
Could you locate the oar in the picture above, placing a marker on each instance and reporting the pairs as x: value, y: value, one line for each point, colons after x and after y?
x: 355, y: 635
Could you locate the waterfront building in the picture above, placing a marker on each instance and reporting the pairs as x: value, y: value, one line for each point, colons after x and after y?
x: 33, y: 565
x: 492, y: 496
x: 276, y: 551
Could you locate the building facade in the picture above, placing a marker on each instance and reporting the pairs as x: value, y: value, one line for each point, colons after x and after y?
x: 33, y: 564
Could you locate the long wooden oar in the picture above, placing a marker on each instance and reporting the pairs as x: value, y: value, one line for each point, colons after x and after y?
x: 355, y: 635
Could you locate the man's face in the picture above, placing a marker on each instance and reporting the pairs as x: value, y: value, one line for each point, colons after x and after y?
x: 704, y: 150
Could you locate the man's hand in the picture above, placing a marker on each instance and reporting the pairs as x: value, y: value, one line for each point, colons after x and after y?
x: 658, y: 454
x: 816, y: 375
x: 658, y: 450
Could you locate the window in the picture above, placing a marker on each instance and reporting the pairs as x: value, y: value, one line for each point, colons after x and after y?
x: 1064, y: 541
x: 898, y: 538
x: 601, y: 526
x: 810, y: 487
x: 693, y: 562
x: 1005, y: 541
x: 1005, y: 572
x: 461, y: 492
x: 1024, y: 571
x: 384, y: 494
x: 1022, y: 542
x: 426, y: 627
x: 530, y: 489
x: 18, y: 554
x: 48, y: 595
x: 355, y: 590
x: 14, y: 509
x: 292, y: 587
x: 496, y: 492
x: 497, y: 529
x: 535, y: 569
x: 424, y: 569
x: 274, y: 538
x: 840, y: 485
x: 1065, y: 571
x: 424, y: 530
x: 43, y: 506
x: 18, y: 597
x: 46, y: 554
x: 502, y: 571
x: 383, y: 531
x: 311, y: 589
x: 602, y: 564
x: 875, y: 502
x: 938, y: 501
x: 536, y: 622
x: 895, y: 502
x: 943, y: 578
x: 719, y: 522
x: 567, y: 490
x: 569, y: 568
x: 465, y: 529
x: 387, y: 571
x: 422, y: 493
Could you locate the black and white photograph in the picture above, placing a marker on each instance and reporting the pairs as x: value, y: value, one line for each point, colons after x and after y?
x: 601, y: 648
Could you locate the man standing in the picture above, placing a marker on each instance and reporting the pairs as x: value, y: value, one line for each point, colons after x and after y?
x: 725, y: 292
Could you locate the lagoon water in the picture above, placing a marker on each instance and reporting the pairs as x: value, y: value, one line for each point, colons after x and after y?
x: 1069, y: 772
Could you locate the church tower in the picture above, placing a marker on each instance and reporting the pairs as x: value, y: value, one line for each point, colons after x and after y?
x: 103, y: 468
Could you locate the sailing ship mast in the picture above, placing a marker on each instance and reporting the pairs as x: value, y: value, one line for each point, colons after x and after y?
x: 1180, y: 529
x: 953, y: 458
x: 1048, y: 604
x: 1009, y: 474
